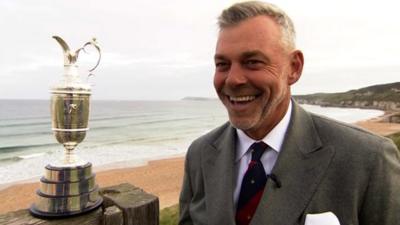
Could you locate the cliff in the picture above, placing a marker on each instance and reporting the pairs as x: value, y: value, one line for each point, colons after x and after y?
x: 384, y: 97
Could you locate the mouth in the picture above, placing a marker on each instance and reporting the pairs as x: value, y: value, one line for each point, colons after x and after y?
x: 245, y: 99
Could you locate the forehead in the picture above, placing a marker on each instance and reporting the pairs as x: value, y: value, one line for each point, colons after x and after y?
x: 258, y: 33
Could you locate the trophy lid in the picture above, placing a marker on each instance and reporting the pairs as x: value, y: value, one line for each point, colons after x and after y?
x: 72, y: 82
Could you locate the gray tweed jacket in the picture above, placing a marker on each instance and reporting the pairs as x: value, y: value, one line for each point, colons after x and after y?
x: 324, y: 165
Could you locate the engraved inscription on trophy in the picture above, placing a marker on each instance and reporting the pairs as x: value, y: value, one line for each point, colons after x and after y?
x: 71, y: 123
x: 68, y: 186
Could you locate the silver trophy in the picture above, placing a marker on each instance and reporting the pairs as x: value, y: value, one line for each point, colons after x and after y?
x: 68, y: 186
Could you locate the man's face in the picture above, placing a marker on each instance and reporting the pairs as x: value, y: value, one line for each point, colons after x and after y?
x: 253, y: 74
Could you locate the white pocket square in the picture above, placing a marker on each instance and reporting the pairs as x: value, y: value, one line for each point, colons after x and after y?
x: 326, y: 218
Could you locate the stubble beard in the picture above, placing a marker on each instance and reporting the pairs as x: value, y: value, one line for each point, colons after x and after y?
x: 252, y: 123
x: 261, y: 118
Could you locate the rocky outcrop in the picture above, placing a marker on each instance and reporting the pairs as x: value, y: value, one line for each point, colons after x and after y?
x: 381, y: 105
x: 384, y: 97
x: 386, y: 105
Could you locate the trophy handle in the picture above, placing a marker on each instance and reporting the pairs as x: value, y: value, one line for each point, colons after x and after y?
x: 72, y: 57
x: 94, y: 43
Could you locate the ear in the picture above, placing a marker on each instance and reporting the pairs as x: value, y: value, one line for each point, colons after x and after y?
x: 296, y: 66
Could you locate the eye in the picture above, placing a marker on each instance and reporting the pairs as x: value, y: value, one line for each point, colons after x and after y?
x: 221, y: 66
x: 253, y: 63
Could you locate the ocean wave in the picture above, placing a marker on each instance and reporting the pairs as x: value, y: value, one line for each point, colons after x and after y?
x: 96, y: 119
x: 143, y: 123
x: 10, y: 159
x: 102, y: 118
x: 135, y: 141
x: 34, y: 132
x: 24, y: 124
x: 25, y: 117
x: 8, y: 149
x: 29, y: 156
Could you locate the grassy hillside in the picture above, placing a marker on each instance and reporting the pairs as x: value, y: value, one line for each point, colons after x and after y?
x: 384, y: 96
x: 169, y: 216
x: 396, y: 139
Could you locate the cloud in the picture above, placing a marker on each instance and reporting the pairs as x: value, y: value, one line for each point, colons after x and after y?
x: 176, y: 61
x: 27, y: 63
x: 156, y: 50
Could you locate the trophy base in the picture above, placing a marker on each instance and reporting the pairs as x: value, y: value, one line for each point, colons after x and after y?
x: 66, y: 191
x: 41, y: 214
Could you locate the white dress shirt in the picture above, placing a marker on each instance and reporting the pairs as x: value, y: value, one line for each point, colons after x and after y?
x: 273, y: 139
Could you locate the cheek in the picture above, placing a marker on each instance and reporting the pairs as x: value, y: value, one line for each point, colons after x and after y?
x: 273, y: 70
x: 218, y: 81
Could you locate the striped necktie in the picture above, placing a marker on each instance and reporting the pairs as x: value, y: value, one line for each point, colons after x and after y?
x: 252, y: 185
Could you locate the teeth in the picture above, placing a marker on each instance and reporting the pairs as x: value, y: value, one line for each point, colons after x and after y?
x: 242, y: 98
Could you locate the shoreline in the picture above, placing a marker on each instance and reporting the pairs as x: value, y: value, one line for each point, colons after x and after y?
x: 379, y: 125
x: 150, y: 177
x: 128, y: 164
x: 160, y: 176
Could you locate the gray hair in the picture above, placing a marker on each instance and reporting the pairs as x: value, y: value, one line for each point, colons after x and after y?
x: 245, y: 10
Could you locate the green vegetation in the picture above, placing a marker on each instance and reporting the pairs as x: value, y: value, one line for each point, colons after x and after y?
x: 396, y: 139
x: 169, y: 216
x: 368, y: 97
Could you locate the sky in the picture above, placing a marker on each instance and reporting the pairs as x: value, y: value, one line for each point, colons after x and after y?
x: 163, y: 50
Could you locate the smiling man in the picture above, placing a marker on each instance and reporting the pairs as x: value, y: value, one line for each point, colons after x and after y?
x: 254, y: 71
x: 274, y: 163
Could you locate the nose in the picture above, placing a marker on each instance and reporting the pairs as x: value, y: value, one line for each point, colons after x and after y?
x: 236, y: 76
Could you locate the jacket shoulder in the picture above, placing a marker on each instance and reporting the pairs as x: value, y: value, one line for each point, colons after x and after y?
x: 208, y: 139
x: 346, y: 135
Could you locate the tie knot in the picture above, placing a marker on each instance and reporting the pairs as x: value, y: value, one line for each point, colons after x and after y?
x: 257, y: 149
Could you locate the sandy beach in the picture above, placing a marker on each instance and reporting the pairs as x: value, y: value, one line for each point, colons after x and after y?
x: 377, y: 126
x: 162, y: 178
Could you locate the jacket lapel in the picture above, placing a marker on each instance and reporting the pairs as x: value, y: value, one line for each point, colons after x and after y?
x: 300, y: 167
x: 218, y: 169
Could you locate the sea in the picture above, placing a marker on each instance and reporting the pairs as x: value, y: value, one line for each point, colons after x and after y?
x: 122, y: 133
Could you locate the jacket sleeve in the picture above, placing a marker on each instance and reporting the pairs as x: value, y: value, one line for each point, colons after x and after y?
x: 381, y: 203
x: 185, y: 197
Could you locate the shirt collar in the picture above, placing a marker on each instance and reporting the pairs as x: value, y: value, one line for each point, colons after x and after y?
x: 273, y: 139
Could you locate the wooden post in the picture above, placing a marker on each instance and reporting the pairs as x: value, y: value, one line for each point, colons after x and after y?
x: 138, y: 207
x: 124, y: 204
x: 113, y: 216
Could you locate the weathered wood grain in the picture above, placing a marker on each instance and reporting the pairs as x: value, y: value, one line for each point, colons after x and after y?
x: 23, y: 217
x: 123, y: 204
x: 113, y: 216
x: 138, y: 207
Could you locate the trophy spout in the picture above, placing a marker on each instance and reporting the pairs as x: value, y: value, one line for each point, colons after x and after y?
x: 69, y: 57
